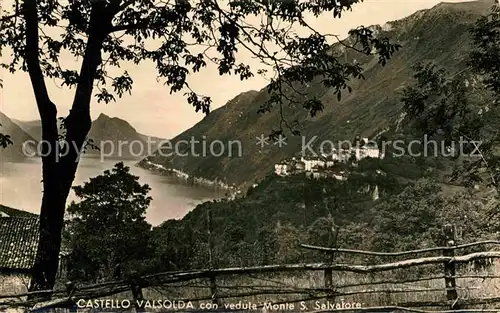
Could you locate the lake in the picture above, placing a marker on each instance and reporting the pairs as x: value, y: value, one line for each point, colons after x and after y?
x: 21, y: 188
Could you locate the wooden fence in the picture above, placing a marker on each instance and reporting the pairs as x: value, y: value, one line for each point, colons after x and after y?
x: 218, y: 295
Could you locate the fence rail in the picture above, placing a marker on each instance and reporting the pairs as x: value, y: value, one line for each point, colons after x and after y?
x: 218, y: 292
x: 401, y: 253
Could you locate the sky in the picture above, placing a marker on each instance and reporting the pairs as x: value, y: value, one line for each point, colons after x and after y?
x: 152, y: 110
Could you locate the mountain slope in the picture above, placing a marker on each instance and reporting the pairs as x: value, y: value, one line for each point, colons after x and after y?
x: 439, y: 34
x: 33, y: 128
x: 19, y: 138
x: 109, y: 132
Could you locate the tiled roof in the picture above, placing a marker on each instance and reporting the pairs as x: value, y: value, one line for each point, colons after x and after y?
x: 18, y: 242
x: 5, y: 210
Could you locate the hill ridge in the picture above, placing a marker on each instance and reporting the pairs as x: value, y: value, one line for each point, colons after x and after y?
x: 18, y: 150
x: 434, y: 34
x: 104, y: 128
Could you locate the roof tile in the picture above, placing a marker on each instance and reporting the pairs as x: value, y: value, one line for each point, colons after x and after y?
x: 18, y: 242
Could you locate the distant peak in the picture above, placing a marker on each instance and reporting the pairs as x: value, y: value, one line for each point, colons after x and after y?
x: 475, y: 6
x: 103, y: 116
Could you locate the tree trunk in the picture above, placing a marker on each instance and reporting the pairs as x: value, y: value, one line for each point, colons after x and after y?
x: 59, y: 172
x: 46, y: 261
x: 51, y: 225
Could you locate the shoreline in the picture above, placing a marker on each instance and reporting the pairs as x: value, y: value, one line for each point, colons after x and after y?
x: 181, y: 176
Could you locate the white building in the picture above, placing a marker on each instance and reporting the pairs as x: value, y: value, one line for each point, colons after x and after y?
x: 282, y: 169
x: 359, y: 153
x: 368, y: 151
x: 375, y: 195
x: 309, y: 163
x: 372, y: 153
x: 335, y: 156
x: 339, y: 176
x: 344, y: 155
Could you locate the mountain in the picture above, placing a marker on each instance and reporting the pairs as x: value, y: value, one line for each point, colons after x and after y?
x: 110, y: 132
x: 33, y: 128
x: 116, y: 138
x: 440, y: 34
x: 19, y: 137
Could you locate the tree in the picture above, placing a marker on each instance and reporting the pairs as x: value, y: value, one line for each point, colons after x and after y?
x: 406, y: 216
x: 484, y: 57
x: 416, y: 216
x: 4, y: 139
x: 287, y: 238
x: 107, y: 232
x: 463, y: 105
x: 109, y: 33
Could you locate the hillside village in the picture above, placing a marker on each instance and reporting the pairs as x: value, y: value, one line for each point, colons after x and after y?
x: 325, y: 165
x: 313, y: 166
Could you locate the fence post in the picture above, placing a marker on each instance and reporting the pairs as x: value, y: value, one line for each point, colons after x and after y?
x: 213, y: 284
x: 449, y: 267
x: 70, y: 288
x: 332, y: 243
x: 137, y: 293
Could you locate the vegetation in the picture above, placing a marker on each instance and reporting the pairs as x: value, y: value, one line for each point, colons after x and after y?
x: 266, y: 226
x: 16, y: 143
x: 441, y: 34
x: 108, y: 237
x: 462, y: 106
x: 106, y: 233
x: 414, y: 204
x: 107, y: 34
x: 5, y: 140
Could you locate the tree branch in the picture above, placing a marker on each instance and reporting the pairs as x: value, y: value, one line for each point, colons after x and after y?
x: 78, y: 122
x: 128, y: 27
x: 11, y: 16
x: 121, y: 6
x: 46, y: 108
x: 116, y: 6
x: 100, y: 22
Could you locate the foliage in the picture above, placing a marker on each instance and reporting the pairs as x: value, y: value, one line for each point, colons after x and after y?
x: 484, y: 58
x: 407, y: 216
x: 413, y: 207
x: 124, y: 31
x: 415, y: 219
x: 266, y: 225
x: 438, y: 35
x: 439, y: 105
x: 106, y: 233
x: 463, y: 106
x: 4, y: 140
x: 179, y: 37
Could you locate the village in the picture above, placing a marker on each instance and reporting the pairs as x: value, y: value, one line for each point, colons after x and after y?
x: 326, y: 165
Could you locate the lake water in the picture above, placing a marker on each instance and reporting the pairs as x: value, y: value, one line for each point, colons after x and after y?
x: 21, y: 188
